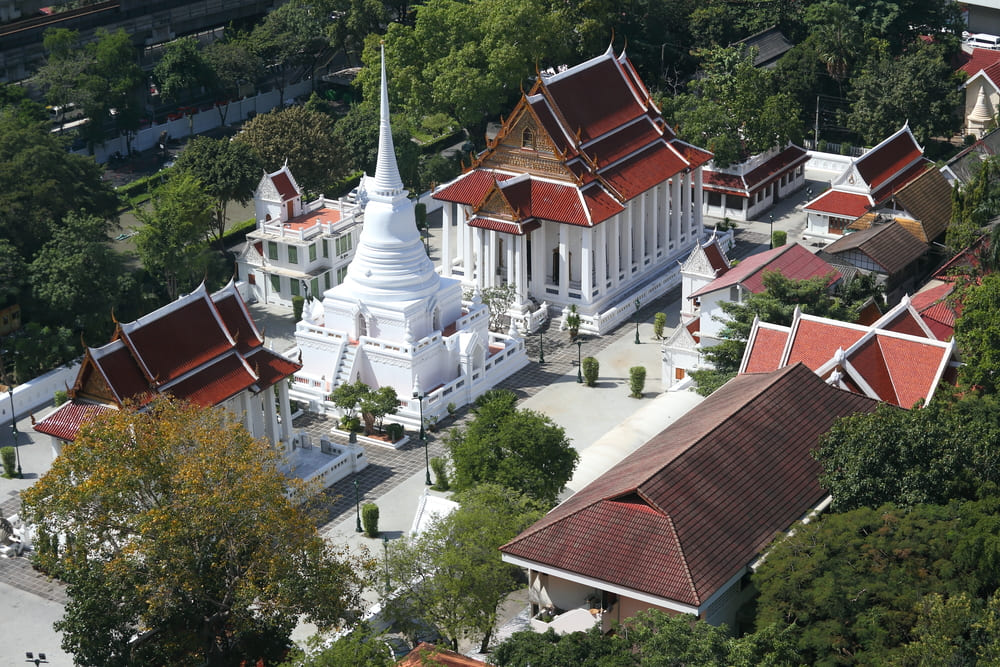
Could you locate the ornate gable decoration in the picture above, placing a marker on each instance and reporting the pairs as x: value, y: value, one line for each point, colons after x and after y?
x: 524, y: 145
x: 697, y: 263
x: 496, y: 205
x: 266, y: 190
x: 91, y: 384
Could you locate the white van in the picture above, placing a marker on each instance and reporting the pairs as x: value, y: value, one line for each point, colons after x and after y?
x: 981, y: 40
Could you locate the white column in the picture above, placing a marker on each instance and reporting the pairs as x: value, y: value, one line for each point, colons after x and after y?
x: 686, y: 200
x: 494, y: 255
x: 630, y: 241
x: 468, y: 258
x: 675, y: 210
x: 587, y: 263
x: 447, y: 215
x: 477, y: 244
x: 270, y: 417
x: 699, y: 203
x: 539, y: 266
x: 509, y: 242
x: 522, y: 268
x: 286, y: 412
x: 616, y: 243
x: 602, y: 258
x: 655, y: 217
x: 563, y: 263
x: 643, y: 214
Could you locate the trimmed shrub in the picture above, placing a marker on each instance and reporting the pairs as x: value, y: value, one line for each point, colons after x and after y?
x: 350, y: 424
x: 440, y: 468
x: 659, y: 323
x: 369, y: 519
x: 9, y: 465
x: 60, y: 396
x: 298, y: 302
x: 636, y: 380
x: 394, y: 431
x: 778, y: 238
x: 591, y: 369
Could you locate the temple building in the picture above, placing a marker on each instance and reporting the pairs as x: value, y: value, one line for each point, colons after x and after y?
x: 297, y: 249
x: 394, y: 321
x: 585, y: 197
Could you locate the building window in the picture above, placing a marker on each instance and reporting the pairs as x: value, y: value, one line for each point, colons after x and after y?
x: 527, y: 138
x: 294, y: 284
x: 276, y: 283
x: 344, y: 244
x: 341, y: 274
x: 312, y: 253
x: 734, y: 294
x: 272, y: 250
x: 714, y: 199
x: 326, y: 248
x: 837, y: 225
x: 314, y: 286
x: 326, y: 279
x: 251, y: 278
x: 293, y: 255
x: 678, y: 373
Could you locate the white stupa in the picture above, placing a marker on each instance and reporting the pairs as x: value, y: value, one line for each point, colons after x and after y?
x: 393, y: 320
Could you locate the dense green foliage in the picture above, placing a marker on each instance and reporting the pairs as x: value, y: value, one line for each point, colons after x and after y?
x: 185, y: 545
x: 452, y: 574
x: 636, y: 381
x: 977, y: 333
x: 855, y: 587
x: 359, y: 648
x: 520, y: 449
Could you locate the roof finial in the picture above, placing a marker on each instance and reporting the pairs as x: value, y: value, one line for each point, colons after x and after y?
x: 387, y: 178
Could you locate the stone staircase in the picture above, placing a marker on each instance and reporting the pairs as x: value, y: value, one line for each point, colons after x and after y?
x: 346, y: 365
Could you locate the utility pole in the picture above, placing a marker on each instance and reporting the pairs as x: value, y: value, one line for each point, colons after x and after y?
x: 816, y: 128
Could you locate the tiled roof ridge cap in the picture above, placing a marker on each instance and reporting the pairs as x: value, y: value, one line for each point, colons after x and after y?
x: 230, y: 291
x: 684, y: 560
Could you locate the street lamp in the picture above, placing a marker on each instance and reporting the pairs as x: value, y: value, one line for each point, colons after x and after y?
x: 541, y: 348
x: 13, y: 431
x: 770, y: 231
x: 423, y: 437
x: 357, y: 505
x: 637, y: 305
x: 579, y: 362
x: 385, y: 548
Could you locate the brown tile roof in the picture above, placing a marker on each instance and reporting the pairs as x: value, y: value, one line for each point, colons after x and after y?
x: 689, y: 509
x: 928, y: 198
x: 888, y: 245
x: 429, y: 655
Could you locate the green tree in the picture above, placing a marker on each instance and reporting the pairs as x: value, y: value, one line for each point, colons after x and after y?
x: 920, y: 87
x: 304, y: 138
x: 182, y: 69
x: 171, y: 243
x: 520, y: 449
x: 462, y: 580
x: 187, y: 547
x: 851, y: 585
x: 947, y: 450
x: 233, y: 64
x: 227, y: 171
x: 373, y: 404
x: 357, y: 134
x: 289, y: 38
x: 974, y: 204
x: 734, y: 109
x: 359, y: 648
x: 977, y: 334
x: 75, y: 274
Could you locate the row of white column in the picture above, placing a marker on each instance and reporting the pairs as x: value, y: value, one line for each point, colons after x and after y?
x: 624, y: 235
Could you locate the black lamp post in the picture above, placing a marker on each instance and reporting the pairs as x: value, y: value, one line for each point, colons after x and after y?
x: 385, y: 548
x: 13, y: 431
x: 770, y: 230
x: 357, y: 505
x: 541, y: 348
x: 637, y: 306
x: 579, y: 361
x: 423, y: 437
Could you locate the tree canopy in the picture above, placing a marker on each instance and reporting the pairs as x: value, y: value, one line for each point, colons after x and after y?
x: 183, y: 545
x: 520, y: 449
x: 977, y: 334
x: 452, y: 573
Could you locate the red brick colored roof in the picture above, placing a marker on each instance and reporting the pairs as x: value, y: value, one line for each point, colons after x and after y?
x: 716, y: 259
x: 654, y: 164
x: 793, y: 261
x: 843, y: 204
x: 238, y: 321
x: 764, y: 350
x: 987, y: 60
x: 759, y: 177
x: 900, y: 181
x: 594, y: 97
x: 471, y: 187
x: 284, y: 186
x: 688, y: 510
x: 815, y: 342
x: 888, y: 159
x: 428, y: 655
x: 936, y: 310
x: 905, y: 323
x: 68, y: 418
x: 213, y: 384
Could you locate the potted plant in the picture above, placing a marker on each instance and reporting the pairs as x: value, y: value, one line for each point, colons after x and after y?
x: 573, y: 322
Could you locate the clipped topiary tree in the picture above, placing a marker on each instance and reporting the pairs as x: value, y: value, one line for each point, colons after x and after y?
x: 9, y: 466
x: 636, y: 380
x: 369, y: 519
x: 591, y: 369
x: 440, y: 468
x: 60, y: 396
x: 778, y: 238
x: 659, y: 323
x: 298, y: 302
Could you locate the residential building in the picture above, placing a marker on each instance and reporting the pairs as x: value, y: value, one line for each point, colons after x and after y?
x: 394, y: 321
x: 872, y: 183
x: 771, y: 44
x: 585, y: 197
x: 897, y: 359
x: 702, y: 315
x: 749, y: 189
x: 298, y: 248
x: 886, y: 250
x: 679, y: 524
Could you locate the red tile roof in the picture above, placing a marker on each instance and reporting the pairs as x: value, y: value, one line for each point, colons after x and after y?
x: 909, y: 362
x: 757, y: 178
x: 594, y: 97
x: 982, y: 59
x: 654, y: 164
x: 214, y: 383
x: 936, y: 311
x: 68, y: 418
x: 471, y: 187
x: 284, y: 186
x: 428, y: 655
x: 815, y: 342
x: 888, y: 159
x: 793, y: 261
x: 843, y: 204
x: 688, y: 510
x: 765, y: 349
x: 900, y: 181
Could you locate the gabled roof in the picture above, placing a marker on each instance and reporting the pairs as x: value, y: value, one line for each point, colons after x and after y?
x: 937, y: 310
x: 279, y: 185
x: 584, y: 154
x: 794, y: 262
x: 759, y: 177
x: 982, y: 61
x: 68, y: 418
x: 771, y: 45
x: 843, y: 204
x: 888, y: 245
x: 928, y: 198
x: 897, y: 359
x: 687, y: 511
x: 883, y: 164
x: 962, y: 166
x: 203, y: 348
